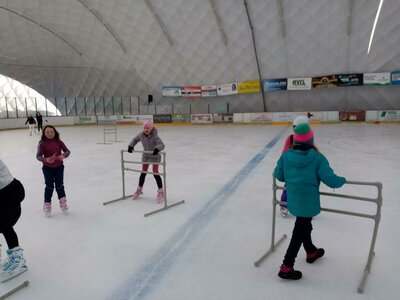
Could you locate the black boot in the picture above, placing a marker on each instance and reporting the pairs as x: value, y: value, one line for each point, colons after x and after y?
x: 286, y: 272
x: 311, y: 257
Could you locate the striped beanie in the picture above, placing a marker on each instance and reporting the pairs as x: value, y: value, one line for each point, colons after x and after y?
x: 303, y: 134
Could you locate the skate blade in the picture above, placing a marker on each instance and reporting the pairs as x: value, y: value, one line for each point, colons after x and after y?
x: 14, y: 275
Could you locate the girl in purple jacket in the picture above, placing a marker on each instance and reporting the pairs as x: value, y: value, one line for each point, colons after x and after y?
x: 51, y: 152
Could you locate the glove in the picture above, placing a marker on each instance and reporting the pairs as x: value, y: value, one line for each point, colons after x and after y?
x: 155, y: 151
x: 130, y: 149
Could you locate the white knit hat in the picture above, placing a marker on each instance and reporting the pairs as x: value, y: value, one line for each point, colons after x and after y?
x: 300, y: 120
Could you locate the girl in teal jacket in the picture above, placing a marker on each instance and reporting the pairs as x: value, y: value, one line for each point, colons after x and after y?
x: 302, y: 168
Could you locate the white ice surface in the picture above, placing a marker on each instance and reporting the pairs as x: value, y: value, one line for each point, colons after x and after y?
x: 204, y: 249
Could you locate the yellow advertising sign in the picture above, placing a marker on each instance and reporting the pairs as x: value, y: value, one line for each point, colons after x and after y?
x: 252, y: 86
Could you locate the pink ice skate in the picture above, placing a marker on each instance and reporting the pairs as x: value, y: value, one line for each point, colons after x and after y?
x: 160, y: 195
x: 47, y: 209
x: 139, y: 191
x: 63, y: 205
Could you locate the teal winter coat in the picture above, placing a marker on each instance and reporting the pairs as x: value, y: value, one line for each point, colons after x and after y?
x: 302, y: 171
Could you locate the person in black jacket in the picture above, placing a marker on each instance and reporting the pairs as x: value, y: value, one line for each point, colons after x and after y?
x: 12, y: 193
x: 32, y: 123
x: 39, y: 120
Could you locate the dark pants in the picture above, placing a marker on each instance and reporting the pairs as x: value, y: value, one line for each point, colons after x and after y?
x: 10, y: 211
x: 301, y: 235
x: 39, y: 126
x: 142, y: 176
x: 53, y: 177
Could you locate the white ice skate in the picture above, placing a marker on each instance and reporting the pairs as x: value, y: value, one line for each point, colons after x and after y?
x: 14, y: 265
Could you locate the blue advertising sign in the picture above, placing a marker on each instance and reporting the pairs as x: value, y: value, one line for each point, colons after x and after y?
x: 279, y: 84
x: 395, y: 77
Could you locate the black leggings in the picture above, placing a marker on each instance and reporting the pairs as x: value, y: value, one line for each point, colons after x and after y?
x: 301, y: 235
x: 10, y: 211
x: 156, y: 177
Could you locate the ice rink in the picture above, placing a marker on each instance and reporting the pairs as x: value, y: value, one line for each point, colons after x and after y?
x: 204, y: 249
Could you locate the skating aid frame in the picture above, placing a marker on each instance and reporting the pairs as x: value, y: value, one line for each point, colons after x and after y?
x: 163, y: 174
x: 14, y: 290
x: 376, y: 217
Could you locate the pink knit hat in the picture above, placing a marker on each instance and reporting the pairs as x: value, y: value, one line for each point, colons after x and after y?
x: 303, y: 134
x: 148, y: 124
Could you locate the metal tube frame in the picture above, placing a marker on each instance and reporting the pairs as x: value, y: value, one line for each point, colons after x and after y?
x: 163, y: 174
x: 14, y: 290
x: 376, y: 217
x: 107, y: 131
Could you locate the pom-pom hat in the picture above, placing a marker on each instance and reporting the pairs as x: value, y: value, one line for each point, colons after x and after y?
x: 148, y: 124
x: 303, y: 134
x: 300, y: 120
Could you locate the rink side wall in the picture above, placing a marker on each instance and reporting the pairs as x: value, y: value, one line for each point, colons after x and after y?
x: 271, y: 118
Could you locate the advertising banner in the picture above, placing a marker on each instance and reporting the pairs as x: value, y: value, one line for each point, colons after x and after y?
x: 227, y: 89
x: 135, y: 119
x: 171, y: 91
x: 191, y: 91
x: 201, y: 118
x: 180, y: 118
x: 263, y: 117
x: 279, y: 84
x: 301, y: 83
x: 376, y: 78
x: 162, y: 118
x: 389, y: 115
x: 208, y: 90
x: 252, y: 86
x: 126, y: 119
x: 284, y: 117
x: 85, y: 120
x: 222, y: 118
x: 324, y: 82
x: 395, y: 77
x: 349, y: 79
x: 352, y: 115
x: 106, y: 119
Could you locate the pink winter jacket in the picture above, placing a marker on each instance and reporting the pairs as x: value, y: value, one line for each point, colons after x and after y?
x: 288, y: 143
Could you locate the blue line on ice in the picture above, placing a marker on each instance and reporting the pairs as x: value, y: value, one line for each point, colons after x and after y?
x: 143, y: 282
